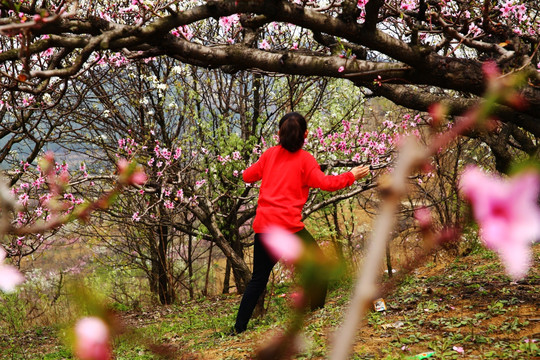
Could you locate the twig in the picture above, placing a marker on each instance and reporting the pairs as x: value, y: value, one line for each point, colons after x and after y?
x: 366, y: 287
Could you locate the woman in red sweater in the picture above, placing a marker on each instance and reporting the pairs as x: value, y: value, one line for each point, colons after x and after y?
x: 287, y: 173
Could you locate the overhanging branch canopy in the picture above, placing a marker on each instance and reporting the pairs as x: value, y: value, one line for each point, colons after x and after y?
x: 398, y: 49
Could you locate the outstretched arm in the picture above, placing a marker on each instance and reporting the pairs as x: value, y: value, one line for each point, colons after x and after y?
x: 360, y: 172
x: 318, y: 179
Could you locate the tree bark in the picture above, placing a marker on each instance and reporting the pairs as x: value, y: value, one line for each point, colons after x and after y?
x: 165, y: 289
x: 239, y: 267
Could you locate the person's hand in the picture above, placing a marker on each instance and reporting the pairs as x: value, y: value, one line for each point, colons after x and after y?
x: 360, y: 171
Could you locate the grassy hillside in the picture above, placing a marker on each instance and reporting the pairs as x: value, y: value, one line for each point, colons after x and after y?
x: 466, y: 308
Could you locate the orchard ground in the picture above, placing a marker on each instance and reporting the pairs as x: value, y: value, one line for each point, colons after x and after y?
x: 459, y: 307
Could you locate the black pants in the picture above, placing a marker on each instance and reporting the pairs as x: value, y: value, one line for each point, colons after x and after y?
x: 262, y: 267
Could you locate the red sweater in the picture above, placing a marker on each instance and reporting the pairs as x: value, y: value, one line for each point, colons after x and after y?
x: 286, y: 179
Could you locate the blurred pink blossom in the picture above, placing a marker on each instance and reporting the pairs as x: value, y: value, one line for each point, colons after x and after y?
x: 507, y: 213
x: 92, y: 339
x: 282, y: 245
x: 423, y: 216
x: 9, y: 275
x: 130, y: 175
x: 458, y: 349
x: 298, y: 299
x: 491, y: 70
x: 138, y: 177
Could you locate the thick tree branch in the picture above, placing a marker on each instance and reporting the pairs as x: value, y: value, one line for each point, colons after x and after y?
x: 423, y: 99
x: 395, y: 61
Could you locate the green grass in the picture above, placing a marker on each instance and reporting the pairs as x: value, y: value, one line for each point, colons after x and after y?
x: 470, y: 304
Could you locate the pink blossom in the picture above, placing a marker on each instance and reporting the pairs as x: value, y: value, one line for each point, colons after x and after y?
x: 265, y: 45
x: 165, y: 153
x: 27, y: 101
x: 199, y: 183
x: 177, y: 153
x: 180, y: 194
x: 283, y: 245
x: 408, y: 4
x: 23, y: 199
x: 507, y: 9
x: 186, y: 31
x: 168, y: 204
x: 474, y: 29
x: 507, y: 214
x: 521, y: 12
x: 226, y: 22
x: 458, y: 349
x: 9, y: 275
x: 92, y: 339
x: 341, y: 69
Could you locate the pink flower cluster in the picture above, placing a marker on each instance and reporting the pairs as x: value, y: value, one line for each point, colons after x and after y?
x: 227, y: 22
x: 409, y: 4
x: 115, y: 59
x: 357, y: 144
x: 39, y: 203
x: 184, y: 31
x: 513, y: 8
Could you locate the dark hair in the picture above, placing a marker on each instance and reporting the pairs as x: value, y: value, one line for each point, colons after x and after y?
x: 292, y: 128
